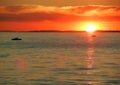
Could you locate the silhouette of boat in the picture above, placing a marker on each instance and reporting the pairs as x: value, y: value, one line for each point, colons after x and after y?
x: 16, y: 38
x: 93, y: 36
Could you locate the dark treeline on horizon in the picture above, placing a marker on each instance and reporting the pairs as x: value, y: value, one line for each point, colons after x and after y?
x: 59, y: 31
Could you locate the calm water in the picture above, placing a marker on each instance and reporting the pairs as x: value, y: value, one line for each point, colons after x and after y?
x: 60, y: 59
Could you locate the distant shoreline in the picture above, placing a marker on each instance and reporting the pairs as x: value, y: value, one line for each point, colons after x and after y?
x: 57, y: 31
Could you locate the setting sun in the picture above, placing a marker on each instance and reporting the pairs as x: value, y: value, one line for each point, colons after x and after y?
x: 90, y: 27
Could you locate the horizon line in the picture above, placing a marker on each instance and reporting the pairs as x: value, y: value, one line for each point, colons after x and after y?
x: 59, y: 31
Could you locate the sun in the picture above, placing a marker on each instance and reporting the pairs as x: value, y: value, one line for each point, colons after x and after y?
x: 90, y: 27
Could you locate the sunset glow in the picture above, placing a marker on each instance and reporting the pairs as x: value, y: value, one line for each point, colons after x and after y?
x: 90, y: 28
x: 59, y: 42
x: 40, y: 15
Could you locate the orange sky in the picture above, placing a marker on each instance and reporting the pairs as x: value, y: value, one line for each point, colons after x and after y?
x: 38, y: 17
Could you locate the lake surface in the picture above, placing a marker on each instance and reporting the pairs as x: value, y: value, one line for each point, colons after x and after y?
x: 55, y: 58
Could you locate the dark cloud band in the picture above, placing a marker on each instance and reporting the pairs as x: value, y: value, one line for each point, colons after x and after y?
x: 69, y: 14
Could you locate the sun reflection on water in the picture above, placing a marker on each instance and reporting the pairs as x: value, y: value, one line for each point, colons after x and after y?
x: 90, y: 53
x: 90, y: 61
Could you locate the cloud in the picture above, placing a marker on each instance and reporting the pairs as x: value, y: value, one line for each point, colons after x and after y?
x: 68, y: 13
x: 37, y: 16
x: 14, y: 8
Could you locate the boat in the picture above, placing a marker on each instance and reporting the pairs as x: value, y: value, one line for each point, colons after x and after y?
x: 93, y: 36
x: 16, y: 38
